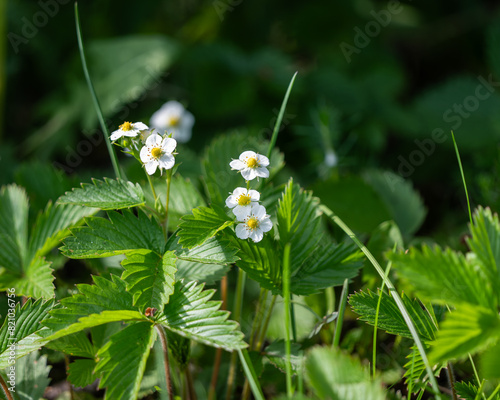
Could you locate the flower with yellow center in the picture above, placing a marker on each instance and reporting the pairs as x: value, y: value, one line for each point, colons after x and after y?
x: 251, y: 165
x: 241, y: 200
x: 157, y: 152
x: 254, y: 224
x: 173, y: 118
x: 128, y: 129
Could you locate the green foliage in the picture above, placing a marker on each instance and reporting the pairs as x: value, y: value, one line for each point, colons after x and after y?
x: 276, y: 353
x: 32, y: 377
x: 122, y: 360
x: 203, y: 224
x: 334, y: 375
x: 22, y: 256
x: 415, y: 375
x: 213, y: 251
x: 389, y: 316
x: 466, y: 390
x: 219, y: 179
x: 443, y: 276
x: 27, y: 334
x: 121, y: 234
x: 402, y: 201
x: 110, y: 194
x: 149, y: 277
x: 190, y: 314
x: 467, y: 329
x: 195, y: 271
x: 81, y: 372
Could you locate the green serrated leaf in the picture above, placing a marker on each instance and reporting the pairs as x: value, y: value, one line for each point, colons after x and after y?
x: 336, y: 376
x: 36, y: 281
x: 110, y: 194
x: 416, y: 374
x: 206, y: 273
x: 13, y: 227
x: 149, y: 277
x: 444, y: 276
x: 190, y: 314
x: 52, y: 226
x: 77, y: 345
x: 25, y: 330
x: 466, y: 390
x: 213, y: 251
x: 81, y: 372
x: 466, y: 330
x: 104, y: 295
x: 298, y: 223
x: 203, y: 224
x: 220, y: 180
x: 485, y: 243
x: 389, y: 316
x: 120, y: 234
x: 122, y: 361
x: 32, y: 376
x: 276, y: 353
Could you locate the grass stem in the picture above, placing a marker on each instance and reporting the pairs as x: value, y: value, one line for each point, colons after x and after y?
x: 340, y: 316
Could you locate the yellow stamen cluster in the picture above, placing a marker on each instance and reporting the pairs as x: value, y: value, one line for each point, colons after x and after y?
x: 173, y: 120
x: 253, y: 223
x: 126, y: 126
x: 156, y: 152
x: 244, y: 200
x: 252, y: 162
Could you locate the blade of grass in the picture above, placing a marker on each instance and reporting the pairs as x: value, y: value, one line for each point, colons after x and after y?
x: 463, y: 176
x: 392, y: 290
x: 340, y: 317
x: 95, y: 100
x: 250, y: 374
x: 280, y: 117
x: 286, y: 297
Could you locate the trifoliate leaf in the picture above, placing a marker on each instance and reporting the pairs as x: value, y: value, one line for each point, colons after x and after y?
x: 444, y: 276
x: 122, y: 361
x: 190, y: 314
x: 202, y: 225
x: 26, y: 336
x: 390, y: 318
x: 110, y: 194
x: 149, y: 277
x: 467, y: 329
x: 336, y: 376
x: 120, y: 234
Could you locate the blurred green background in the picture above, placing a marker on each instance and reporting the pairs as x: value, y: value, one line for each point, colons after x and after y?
x: 380, y: 84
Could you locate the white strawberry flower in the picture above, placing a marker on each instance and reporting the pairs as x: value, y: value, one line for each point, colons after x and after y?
x: 128, y: 129
x: 242, y: 200
x: 157, y: 152
x: 254, y: 224
x: 251, y: 165
x: 173, y: 118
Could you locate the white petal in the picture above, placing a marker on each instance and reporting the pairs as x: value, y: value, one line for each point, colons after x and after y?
x: 242, y: 232
x: 182, y: 135
x: 263, y: 160
x: 139, y: 126
x: 132, y: 133
x: 153, y: 140
x: 159, y: 120
x: 145, y: 154
x: 237, y: 164
x: 166, y: 161
x: 261, y: 172
x: 239, y: 191
x: 259, y: 211
x: 254, y: 195
x: 187, y: 120
x: 173, y: 107
x: 242, y: 212
x: 151, y: 167
x: 256, y: 235
x: 247, y: 154
x: 231, y: 201
x: 116, y: 134
x: 248, y: 174
x: 266, y: 225
x: 168, y: 145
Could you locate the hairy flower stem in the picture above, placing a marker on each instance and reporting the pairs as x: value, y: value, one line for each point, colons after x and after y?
x: 167, y: 202
x: 238, y: 304
x: 218, y: 352
x: 5, y: 389
x: 451, y: 380
x: 190, y: 392
x: 164, y: 345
